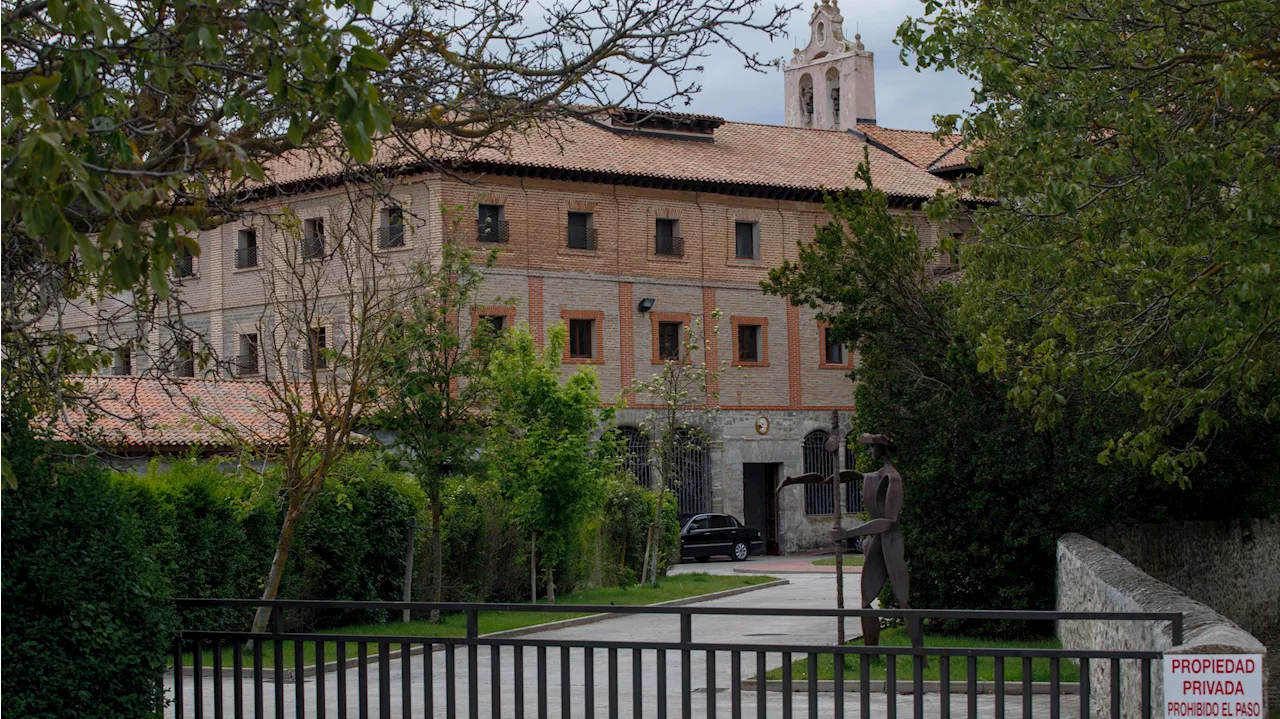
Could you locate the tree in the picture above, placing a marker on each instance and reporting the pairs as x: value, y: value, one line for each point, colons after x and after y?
x: 681, y: 395
x: 542, y: 447
x: 332, y: 308
x: 439, y: 392
x: 131, y: 126
x: 987, y: 495
x: 1135, y: 246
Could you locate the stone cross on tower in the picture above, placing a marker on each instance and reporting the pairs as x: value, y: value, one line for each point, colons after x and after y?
x: 831, y: 83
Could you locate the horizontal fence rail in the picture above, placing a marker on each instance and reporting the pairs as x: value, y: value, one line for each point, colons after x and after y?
x: 661, y: 671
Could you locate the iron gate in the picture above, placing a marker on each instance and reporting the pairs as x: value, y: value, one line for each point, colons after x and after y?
x: 281, y: 674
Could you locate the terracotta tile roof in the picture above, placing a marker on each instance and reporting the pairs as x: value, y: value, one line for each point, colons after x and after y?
x: 743, y: 154
x: 919, y: 147
x: 136, y: 413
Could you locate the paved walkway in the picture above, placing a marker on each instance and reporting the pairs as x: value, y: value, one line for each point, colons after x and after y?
x: 787, y: 565
x: 564, y: 672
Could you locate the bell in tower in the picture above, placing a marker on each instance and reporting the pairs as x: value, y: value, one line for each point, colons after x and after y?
x: 842, y: 71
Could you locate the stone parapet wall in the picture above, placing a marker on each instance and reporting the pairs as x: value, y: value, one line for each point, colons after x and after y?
x: 1091, y: 577
x: 1232, y: 566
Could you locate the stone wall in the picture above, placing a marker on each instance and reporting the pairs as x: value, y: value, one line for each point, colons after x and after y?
x: 1233, y: 567
x: 1093, y: 578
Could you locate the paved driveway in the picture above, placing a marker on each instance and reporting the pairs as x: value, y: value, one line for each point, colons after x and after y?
x: 564, y: 672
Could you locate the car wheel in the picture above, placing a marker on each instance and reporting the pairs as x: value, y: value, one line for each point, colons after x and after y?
x: 740, y: 551
x: 703, y: 559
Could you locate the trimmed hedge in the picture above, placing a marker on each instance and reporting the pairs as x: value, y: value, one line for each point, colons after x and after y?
x: 213, y: 534
x: 87, y: 622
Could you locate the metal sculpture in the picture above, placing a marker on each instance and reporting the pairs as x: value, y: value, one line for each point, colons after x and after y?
x: 883, y: 549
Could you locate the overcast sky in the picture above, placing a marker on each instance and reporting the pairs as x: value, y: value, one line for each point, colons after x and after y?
x: 904, y: 98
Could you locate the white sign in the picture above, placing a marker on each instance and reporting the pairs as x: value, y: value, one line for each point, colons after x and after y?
x: 1213, y: 685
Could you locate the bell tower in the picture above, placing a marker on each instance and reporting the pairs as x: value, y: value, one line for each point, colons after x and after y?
x: 831, y: 83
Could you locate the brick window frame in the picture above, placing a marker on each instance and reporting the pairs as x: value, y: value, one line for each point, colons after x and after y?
x: 734, y: 322
x: 656, y: 318
x: 479, y: 312
x: 822, y: 351
x: 597, y: 354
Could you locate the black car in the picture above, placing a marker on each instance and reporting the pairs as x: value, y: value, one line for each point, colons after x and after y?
x: 709, y: 535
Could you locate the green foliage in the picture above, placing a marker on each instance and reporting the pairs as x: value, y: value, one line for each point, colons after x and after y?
x: 213, y: 534
x: 987, y: 493
x: 542, y: 443
x: 351, y: 545
x: 209, y: 532
x: 627, y: 515
x: 1135, y: 248
x: 87, y: 624
x: 483, y: 559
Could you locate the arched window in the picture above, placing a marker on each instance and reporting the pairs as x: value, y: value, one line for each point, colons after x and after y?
x: 691, y: 474
x: 817, y: 497
x: 853, y: 490
x: 806, y: 99
x: 833, y: 92
x: 636, y: 459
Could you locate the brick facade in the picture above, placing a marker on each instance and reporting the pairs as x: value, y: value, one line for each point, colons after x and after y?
x: 538, y: 280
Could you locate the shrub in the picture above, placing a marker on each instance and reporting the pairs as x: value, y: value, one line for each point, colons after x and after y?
x: 628, y: 513
x: 484, y: 559
x: 87, y: 623
x: 351, y: 545
x: 212, y: 536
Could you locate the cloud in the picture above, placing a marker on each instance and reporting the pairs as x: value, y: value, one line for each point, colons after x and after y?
x: 904, y: 98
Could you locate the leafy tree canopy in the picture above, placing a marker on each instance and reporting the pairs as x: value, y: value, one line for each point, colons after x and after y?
x: 1135, y: 247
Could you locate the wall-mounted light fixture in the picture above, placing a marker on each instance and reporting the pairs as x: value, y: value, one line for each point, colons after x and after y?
x: 646, y: 304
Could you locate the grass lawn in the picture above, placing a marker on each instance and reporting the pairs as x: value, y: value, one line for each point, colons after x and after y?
x: 850, y: 560
x: 677, y: 586
x: 897, y: 637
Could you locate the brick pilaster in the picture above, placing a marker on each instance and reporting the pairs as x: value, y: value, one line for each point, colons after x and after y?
x: 626, y: 335
x: 712, y: 348
x: 793, y: 355
x: 537, y: 318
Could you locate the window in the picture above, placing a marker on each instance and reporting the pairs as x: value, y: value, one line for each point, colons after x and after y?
x: 497, y: 323
x: 491, y: 224
x: 314, y: 357
x: 691, y: 473
x: 246, y: 249
x: 666, y: 238
x: 247, y: 355
x: 746, y: 237
x: 122, y: 366
x: 720, y: 521
x: 701, y: 521
x: 817, y: 497
x: 312, y: 238
x: 582, y: 231
x: 391, y: 233
x: 184, y: 265
x: 582, y: 339
x: 748, y: 343
x: 636, y: 458
x: 832, y: 350
x: 669, y: 341
x: 185, y: 358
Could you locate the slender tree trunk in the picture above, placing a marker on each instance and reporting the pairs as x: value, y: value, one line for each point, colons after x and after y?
x: 656, y: 539
x: 551, y: 584
x: 648, y: 547
x: 408, y: 570
x: 437, y: 574
x: 283, y: 543
x: 533, y: 568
